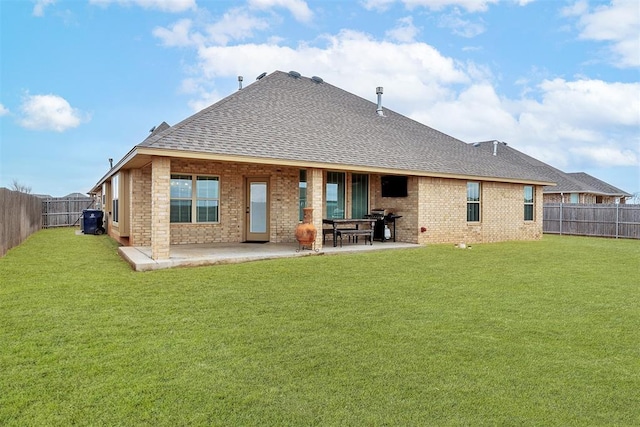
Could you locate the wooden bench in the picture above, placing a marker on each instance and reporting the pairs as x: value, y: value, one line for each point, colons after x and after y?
x: 329, y: 231
x: 367, y: 234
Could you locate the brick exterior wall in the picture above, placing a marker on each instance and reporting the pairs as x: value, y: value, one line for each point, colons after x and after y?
x: 140, y: 234
x: 160, y: 202
x: 438, y: 204
x: 407, y: 207
x: 315, y: 198
x: 443, y: 211
x: 284, y: 194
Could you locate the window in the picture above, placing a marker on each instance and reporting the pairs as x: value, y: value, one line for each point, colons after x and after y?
x: 335, y: 195
x: 115, y: 190
x: 204, y: 200
x: 302, y: 185
x: 528, y: 202
x: 574, y: 198
x: 473, y: 201
x: 207, y: 199
x: 359, y: 195
x: 181, y: 198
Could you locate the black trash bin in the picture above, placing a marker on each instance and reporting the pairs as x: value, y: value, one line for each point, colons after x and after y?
x: 92, y: 221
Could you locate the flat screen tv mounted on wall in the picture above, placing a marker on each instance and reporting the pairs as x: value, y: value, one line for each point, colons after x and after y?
x: 394, y: 186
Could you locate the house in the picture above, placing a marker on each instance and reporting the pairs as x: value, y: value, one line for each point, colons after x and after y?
x: 580, y: 187
x: 241, y: 169
x: 573, y: 187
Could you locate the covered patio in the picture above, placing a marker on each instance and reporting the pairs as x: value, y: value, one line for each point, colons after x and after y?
x: 231, y: 253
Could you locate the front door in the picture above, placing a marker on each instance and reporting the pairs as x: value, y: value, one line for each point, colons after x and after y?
x: 257, y: 208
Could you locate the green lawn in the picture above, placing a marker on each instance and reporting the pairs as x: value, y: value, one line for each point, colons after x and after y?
x: 519, y: 333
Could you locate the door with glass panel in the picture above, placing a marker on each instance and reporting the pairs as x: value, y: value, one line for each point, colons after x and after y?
x: 257, y: 210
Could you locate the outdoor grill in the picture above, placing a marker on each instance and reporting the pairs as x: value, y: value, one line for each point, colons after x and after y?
x: 383, y: 220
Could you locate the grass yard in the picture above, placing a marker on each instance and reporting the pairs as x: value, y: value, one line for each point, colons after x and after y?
x: 520, y: 333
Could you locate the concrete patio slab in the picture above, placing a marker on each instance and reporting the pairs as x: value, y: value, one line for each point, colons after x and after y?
x: 229, y: 253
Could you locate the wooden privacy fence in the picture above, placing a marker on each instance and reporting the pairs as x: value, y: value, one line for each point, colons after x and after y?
x: 592, y: 220
x: 20, y: 216
x: 64, y: 211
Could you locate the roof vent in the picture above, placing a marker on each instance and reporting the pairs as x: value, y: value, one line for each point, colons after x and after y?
x: 317, y: 79
x: 239, y: 82
x: 261, y: 76
x: 294, y: 74
x: 379, y: 93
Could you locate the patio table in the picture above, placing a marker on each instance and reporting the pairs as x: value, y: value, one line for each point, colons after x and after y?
x: 338, y: 223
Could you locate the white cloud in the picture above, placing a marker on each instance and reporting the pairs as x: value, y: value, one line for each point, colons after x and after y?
x: 412, y: 73
x: 588, y: 103
x: 38, y: 8
x: 461, y: 27
x: 473, y: 115
x: 578, y: 8
x: 236, y: 24
x: 573, y: 123
x: 582, y: 121
x: 298, y: 8
x: 379, y: 5
x: 562, y: 122
x: 163, y: 5
x: 608, y: 155
x: 468, y: 5
x: 617, y: 24
x: 49, y: 112
x: 3, y: 110
x: 179, y: 34
x: 405, y: 31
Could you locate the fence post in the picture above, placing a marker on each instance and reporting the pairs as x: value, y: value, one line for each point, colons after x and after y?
x: 617, y: 218
x: 561, y: 217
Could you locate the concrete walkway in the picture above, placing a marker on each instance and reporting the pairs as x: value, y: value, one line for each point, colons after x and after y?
x: 229, y: 253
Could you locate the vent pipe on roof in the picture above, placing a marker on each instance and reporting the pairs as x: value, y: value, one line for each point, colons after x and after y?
x: 495, y: 147
x: 239, y: 82
x: 379, y: 93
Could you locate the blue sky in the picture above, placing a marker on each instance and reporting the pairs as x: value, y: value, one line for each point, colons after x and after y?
x: 84, y: 81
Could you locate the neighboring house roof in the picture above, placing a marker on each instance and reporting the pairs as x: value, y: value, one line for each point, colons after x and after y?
x: 76, y: 196
x: 574, y: 182
x: 295, y: 120
x: 593, y: 185
x: 157, y: 130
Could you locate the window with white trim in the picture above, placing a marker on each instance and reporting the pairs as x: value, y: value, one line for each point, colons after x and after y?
x: 115, y: 196
x: 473, y: 202
x: 528, y: 202
x: 194, y: 198
x: 302, y: 188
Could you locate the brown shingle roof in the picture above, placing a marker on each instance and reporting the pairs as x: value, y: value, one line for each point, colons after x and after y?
x: 573, y: 182
x: 591, y: 184
x: 298, y: 119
